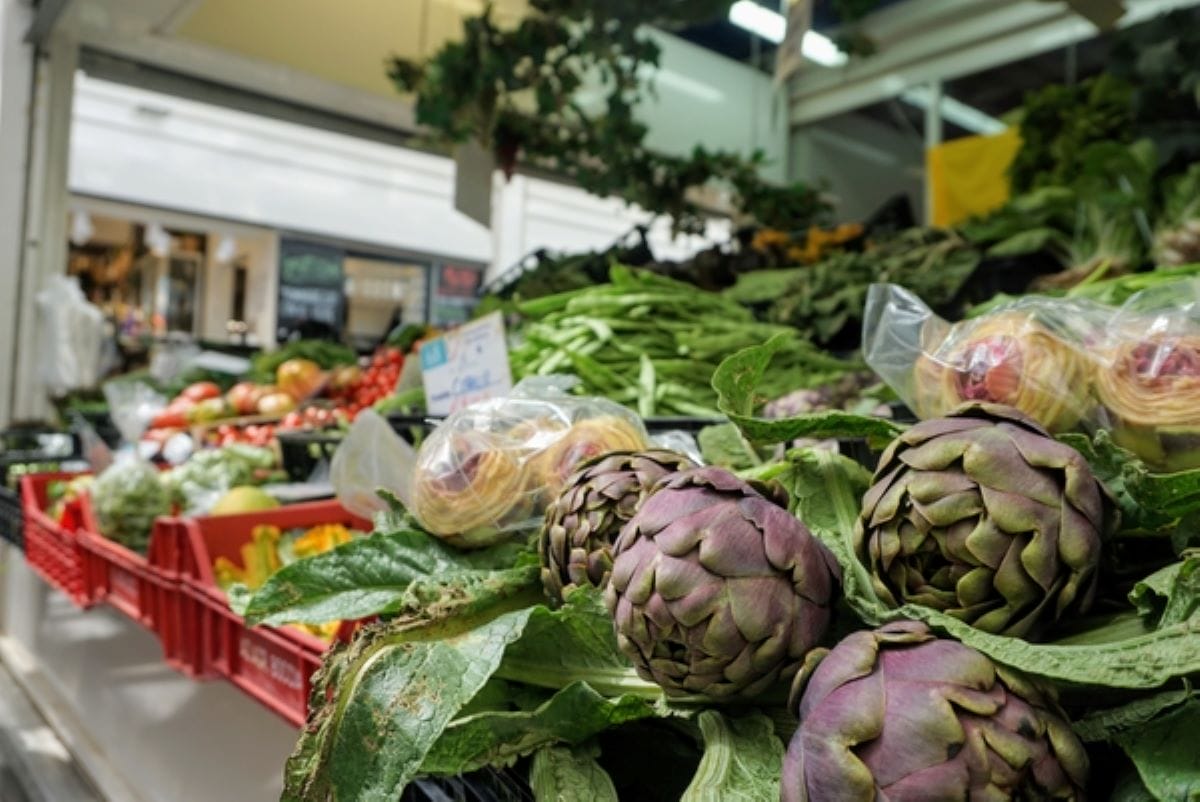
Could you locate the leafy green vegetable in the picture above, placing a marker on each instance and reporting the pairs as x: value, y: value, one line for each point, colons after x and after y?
x: 742, y: 761
x: 1164, y: 752
x: 738, y: 380
x: 127, y: 497
x: 570, y: 775
x: 210, y: 473
x: 387, y: 700
x: 386, y: 573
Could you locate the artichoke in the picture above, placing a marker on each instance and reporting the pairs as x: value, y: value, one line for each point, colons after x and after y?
x: 583, y: 521
x: 715, y: 590
x: 898, y: 714
x: 984, y: 516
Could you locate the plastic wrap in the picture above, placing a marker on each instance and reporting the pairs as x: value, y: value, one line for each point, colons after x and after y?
x: 71, y: 337
x: 370, y: 458
x: 1147, y: 377
x: 1034, y: 354
x: 492, y: 468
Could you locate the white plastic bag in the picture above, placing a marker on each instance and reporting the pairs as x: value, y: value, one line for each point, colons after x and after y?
x: 372, y: 458
x: 71, y: 337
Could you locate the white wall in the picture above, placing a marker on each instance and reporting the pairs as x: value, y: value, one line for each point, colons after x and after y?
x: 159, y: 151
x: 864, y: 162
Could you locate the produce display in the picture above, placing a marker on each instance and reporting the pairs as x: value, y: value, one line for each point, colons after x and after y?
x: 652, y: 344
x: 955, y: 556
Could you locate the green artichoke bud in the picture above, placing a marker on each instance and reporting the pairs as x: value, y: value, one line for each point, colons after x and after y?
x: 984, y: 516
x: 898, y: 714
x: 583, y: 521
x: 715, y: 590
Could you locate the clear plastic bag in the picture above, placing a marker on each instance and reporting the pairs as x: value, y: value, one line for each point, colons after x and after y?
x: 1147, y: 376
x: 491, y: 469
x: 132, y: 405
x: 372, y: 457
x: 1034, y: 354
x: 71, y: 337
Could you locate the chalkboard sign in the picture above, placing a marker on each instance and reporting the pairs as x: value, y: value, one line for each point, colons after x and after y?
x: 311, y: 288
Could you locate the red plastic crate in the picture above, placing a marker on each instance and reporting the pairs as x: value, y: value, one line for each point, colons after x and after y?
x: 52, y: 550
x: 273, y: 665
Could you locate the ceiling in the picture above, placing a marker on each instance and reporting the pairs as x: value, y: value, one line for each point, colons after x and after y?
x: 320, y: 38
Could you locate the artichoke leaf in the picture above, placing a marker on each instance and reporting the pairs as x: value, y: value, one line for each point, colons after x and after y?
x: 1171, y: 595
x: 1164, y: 753
x: 737, y: 380
x: 1110, y: 724
x: 383, y: 573
x: 743, y: 760
x: 559, y: 774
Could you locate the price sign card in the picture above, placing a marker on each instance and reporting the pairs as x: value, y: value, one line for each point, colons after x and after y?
x: 466, y: 365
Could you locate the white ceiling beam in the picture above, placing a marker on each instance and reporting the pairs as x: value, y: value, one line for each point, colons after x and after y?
x: 926, y: 40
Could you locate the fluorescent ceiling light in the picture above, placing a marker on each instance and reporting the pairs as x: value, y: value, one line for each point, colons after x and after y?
x: 955, y: 111
x: 772, y: 26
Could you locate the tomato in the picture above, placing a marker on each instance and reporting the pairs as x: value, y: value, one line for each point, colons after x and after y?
x: 201, y: 391
x: 169, y: 419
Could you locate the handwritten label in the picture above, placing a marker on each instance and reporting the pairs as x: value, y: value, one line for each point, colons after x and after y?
x: 467, y: 365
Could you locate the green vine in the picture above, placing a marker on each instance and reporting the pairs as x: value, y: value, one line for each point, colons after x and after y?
x: 560, y: 91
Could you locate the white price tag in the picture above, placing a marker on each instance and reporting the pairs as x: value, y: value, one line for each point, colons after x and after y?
x: 467, y: 365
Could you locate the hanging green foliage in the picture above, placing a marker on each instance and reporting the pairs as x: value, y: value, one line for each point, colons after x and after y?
x: 560, y: 91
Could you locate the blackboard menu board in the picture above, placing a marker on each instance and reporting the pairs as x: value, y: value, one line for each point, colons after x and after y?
x: 312, y: 297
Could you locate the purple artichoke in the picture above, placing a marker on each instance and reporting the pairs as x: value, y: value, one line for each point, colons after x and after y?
x: 984, y: 516
x: 583, y: 521
x: 715, y: 590
x: 898, y: 714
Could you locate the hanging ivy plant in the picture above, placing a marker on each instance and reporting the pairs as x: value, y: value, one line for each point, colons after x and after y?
x: 560, y: 91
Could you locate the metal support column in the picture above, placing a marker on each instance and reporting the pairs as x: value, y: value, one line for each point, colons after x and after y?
x: 46, y: 201
x: 933, y: 138
x: 16, y: 82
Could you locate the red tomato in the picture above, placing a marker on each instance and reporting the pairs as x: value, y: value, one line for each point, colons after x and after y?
x: 201, y: 391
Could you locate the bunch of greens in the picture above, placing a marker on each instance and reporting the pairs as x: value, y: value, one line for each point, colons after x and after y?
x: 127, y: 497
x: 825, y: 301
x: 652, y: 344
x: 1059, y: 122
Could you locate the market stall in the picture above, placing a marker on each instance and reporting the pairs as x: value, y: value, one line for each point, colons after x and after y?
x: 852, y: 503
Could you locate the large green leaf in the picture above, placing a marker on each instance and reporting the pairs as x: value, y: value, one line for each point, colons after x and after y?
x: 497, y: 737
x: 1107, y: 725
x: 1164, y: 752
x: 743, y: 760
x: 383, y: 573
x: 1172, y: 594
x: 570, y: 775
x: 401, y: 700
x: 1149, y: 502
x: 393, y: 693
x: 737, y: 380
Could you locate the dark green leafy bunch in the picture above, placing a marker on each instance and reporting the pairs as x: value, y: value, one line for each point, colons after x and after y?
x: 825, y: 301
x: 717, y: 591
x: 983, y: 515
x: 582, y: 523
x: 516, y: 91
x: 1059, y: 122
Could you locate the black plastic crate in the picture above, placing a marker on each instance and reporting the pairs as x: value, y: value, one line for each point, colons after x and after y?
x: 303, y: 451
x: 12, y: 519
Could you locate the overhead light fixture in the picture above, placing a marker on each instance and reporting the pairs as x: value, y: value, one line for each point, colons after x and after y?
x: 955, y: 111
x: 772, y: 26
